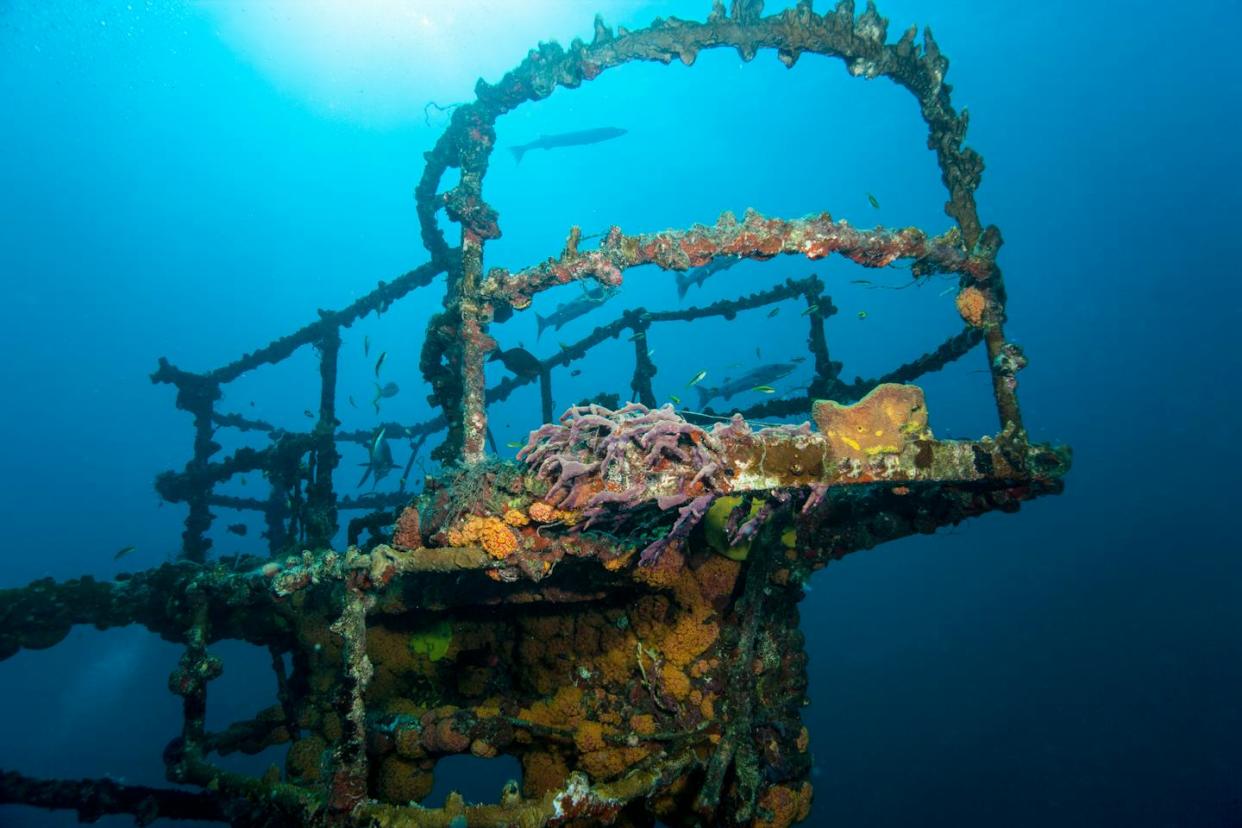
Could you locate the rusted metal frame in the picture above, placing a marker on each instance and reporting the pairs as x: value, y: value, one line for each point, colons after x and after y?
x: 755, y: 237
x: 384, y: 294
x: 241, y: 423
x: 578, y: 803
x: 95, y: 798
x: 321, y: 525
x: 726, y: 308
x: 241, y: 504
x: 546, y: 401
x: 470, y: 136
x: 348, y: 785
x: 185, y: 758
x: 951, y: 350
x: 736, y: 746
x: 819, y: 308
x: 472, y: 347
x: 196, y: 394
x: 644, y: 368
x: 860, y: 43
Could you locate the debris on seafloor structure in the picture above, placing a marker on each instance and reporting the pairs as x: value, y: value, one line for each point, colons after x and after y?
x: 617, y: 608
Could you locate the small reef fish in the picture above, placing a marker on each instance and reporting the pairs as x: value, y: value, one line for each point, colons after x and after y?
x: 862, y: 314
x: 379, y: 460
x: 637, y: 335
x: 577, y: 372
x: 379, y: 362
x: 676, y: 399
x: 699, y: 275
x: 751, y: 380
x: 810, y: 310
x: 577, y: 138
x: 569, y: 311
x: 386, y: 392
x: 699, y: 377
x: 238, y: 529
x: 366, y: 346
x: 308, y: 413
x: 122, y: 552
x: 774, y: 311
x: 873, y: 201
x: 520, y: 361
x: 352, y: 404
x: 764, y: 389
x: 514, y: 444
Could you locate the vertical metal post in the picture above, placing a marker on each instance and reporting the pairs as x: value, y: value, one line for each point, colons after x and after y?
x: 545, y: 395
x: 825, y: 377
x: 473, y: 346
x: 198, y: 396
x: 644, y: 368
x: 321, y: 513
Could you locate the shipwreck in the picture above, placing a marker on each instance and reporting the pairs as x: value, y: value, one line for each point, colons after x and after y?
x: 617, y: 608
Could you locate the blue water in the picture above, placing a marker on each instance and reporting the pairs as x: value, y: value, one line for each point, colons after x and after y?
x: 193, y: 180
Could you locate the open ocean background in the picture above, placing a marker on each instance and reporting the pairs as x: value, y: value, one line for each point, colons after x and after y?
x: 196, y: 179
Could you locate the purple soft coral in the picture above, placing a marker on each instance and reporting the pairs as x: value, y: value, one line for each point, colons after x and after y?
x: 687, y: 518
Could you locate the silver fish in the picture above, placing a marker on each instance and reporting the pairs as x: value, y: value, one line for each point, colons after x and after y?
x: 761, y: 376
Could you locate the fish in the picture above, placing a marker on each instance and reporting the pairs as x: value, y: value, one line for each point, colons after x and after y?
x: 699, y: 377
x: 388, y: 391
x: 873, y: 201
x: 307, y: 412
x: 352, y: 404
x: 675, y: 399
x: 515, y: 444
x: 122, y: 552
x: 862, y: 314
x: 520, y: 361
x: 699, y: 275
x: 242, y: 481
x: 577, y: 372
x: 764, y: 389
x: 756, y: 377
x: 578, y: 138
x: 366, y: 346
x: 380, y: 362
x: 774, y: 311
x: 379, y: 460
x: 810, y: 310
x: 568, y: 311
x: 758, y: 353
x: 238, y: 528
x: 636, y: 336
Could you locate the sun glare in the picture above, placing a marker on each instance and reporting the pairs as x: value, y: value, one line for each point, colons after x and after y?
x: 380, y: 61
